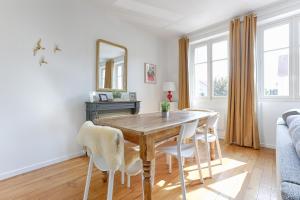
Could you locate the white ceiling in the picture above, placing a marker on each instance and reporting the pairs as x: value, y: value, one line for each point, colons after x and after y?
x: 181, y: 16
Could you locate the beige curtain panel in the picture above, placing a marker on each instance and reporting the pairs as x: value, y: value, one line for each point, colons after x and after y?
x: 241, y: 119
x: 109, y: 67
x: 183, y: 99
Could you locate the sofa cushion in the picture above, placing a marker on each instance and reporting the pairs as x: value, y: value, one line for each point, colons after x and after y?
x: 290, y: 191
x: 294, y: 130
x: 290, y: 112
x: 287, y: 161
x: 292, y: 120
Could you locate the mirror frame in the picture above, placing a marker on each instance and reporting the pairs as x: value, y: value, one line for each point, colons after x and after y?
x: 98, y: 42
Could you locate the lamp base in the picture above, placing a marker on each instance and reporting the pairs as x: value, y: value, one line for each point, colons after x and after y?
x: 170, y: 96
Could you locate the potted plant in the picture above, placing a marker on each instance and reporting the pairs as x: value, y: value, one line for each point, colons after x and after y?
x: 165, y: 107
x: 117, y: 95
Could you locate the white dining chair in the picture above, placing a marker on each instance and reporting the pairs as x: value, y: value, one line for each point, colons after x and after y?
x: 182, y: 150
x: 105, y: 146
x: 135, y: 168
x: 209, y: 134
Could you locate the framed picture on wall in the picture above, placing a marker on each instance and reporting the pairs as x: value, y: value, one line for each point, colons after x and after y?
x: 150, y: 73
x: 132, y: 96
x: 103, y: 97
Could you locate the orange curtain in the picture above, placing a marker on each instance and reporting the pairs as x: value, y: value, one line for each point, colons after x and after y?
x: 183, y: 99
x: 241, y: 118
x: 109, y: 65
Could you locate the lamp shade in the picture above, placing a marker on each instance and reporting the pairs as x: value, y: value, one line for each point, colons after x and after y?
x: 169, y: 86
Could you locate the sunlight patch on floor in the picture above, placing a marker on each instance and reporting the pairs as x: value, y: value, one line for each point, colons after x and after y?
x: 228, y: 164
x: 229, y: 187
x: 161, y: 183
x: 172, y: 186
x: 202, y: 192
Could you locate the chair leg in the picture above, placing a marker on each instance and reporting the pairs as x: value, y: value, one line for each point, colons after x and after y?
x: 152, y: 172
x: 179, y: 157
x: 170, y: 163
x: 167, y: 158
x: 142, y: 175
x: 219, y: 151
x: 208, y: 159
x: 122, y: 176
x: 88, y: 179
x: 110, y: 185
x: 198, y: 160
x: 128, y: 180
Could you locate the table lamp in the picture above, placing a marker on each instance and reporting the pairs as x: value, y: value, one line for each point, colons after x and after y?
x: 169, y: 87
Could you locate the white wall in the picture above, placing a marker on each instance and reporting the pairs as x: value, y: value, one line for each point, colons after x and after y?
x: 42, y: 108
x: 171, y: 69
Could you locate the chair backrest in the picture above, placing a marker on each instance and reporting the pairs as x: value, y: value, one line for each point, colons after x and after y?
x: 212, y: 121
x: 188, y: 130
x: 105, y: 143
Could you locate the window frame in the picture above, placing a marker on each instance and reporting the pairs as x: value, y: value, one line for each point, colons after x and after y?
x: 260, y: 61
x: 208, y: 43
x: 294, y: 68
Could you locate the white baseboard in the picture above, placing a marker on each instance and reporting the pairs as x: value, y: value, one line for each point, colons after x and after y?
x: 36, y: 166
x: 270, y: 146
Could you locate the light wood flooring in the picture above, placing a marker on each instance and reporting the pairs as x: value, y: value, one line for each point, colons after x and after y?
x: 245, y: 174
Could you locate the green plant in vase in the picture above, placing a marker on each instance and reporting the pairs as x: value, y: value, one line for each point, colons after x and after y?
x: 116, y: 95
x: 165, y: 107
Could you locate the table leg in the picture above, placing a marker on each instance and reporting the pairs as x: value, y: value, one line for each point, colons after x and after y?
x: 212, y: 150
x: 147, y: 180
x: 147, y: 154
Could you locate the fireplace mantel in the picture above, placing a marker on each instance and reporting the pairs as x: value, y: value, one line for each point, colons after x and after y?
x: 98, y: 109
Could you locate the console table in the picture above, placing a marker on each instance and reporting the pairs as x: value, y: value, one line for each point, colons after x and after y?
x: 95, y: 109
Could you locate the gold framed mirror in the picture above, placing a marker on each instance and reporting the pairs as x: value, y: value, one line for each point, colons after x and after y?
x: 111, y: 66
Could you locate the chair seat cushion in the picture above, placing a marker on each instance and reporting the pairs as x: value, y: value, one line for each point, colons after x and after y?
x: 210, y: 137
x: 187, y: 150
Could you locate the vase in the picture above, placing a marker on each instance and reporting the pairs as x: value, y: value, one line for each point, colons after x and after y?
x: 165, y: 114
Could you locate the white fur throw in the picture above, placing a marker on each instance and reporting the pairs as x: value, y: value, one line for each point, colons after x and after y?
x: 105, y: 143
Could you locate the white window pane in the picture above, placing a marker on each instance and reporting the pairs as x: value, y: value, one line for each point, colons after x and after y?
x: 119, y: 70
x: 220, y: 78
x: 102, y: 75
x: 201, y: 79
x: 220, y: 50
x: 201, y: 54
x: 276, y: 73
x: 119, y: 82
x: 276, y: 37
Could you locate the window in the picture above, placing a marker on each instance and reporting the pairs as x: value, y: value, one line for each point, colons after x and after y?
x: 201, y: 71
x: 209, y: 68
x: 279, y: 59
x: 119, y: 76
x: 102, y: 75
x: 276, y: 60
x: 220, y: 68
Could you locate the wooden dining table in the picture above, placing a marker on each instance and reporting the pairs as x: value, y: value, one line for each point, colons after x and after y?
x: 147, y: 130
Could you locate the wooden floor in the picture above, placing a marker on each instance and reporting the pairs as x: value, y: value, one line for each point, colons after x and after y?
x: 245, y: 174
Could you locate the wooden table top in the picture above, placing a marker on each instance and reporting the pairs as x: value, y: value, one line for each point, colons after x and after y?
x: 152, y: 122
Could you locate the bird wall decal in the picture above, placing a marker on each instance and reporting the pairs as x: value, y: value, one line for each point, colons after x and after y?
x: 43, y: 61
x: 38, y: 47
x: 56, y: 49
